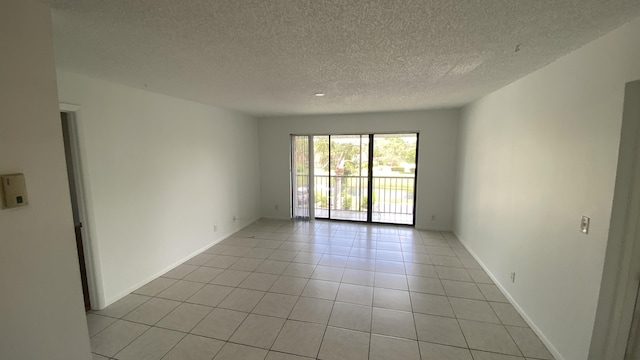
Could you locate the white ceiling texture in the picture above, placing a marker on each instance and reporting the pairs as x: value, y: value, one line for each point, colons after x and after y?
x: 268, y: 57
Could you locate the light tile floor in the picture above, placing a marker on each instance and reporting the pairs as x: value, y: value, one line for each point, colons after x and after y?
x: 322, y: 290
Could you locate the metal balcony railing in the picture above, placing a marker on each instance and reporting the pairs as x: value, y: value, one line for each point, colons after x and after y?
x: 346, y: 197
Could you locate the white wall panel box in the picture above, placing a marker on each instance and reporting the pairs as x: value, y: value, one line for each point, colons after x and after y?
x: 14, y: 191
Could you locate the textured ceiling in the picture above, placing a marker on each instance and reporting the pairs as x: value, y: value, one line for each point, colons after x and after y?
x: 268, y: 57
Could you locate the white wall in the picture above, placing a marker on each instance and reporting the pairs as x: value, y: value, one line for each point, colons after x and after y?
x: 437, y: 155
x: 41, y: 304
x: 534, y: 157
x: 160, y: 172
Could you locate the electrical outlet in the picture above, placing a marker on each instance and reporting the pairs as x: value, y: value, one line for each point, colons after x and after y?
x: 277, y: 207
x: 433, y: 218
x: 513, y: 277
x: 235, y: 219
x: 215, y: 228
x: 584, y: 224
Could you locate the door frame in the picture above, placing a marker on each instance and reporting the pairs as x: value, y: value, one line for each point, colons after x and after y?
x: 370, y: 135
x: 621, y: 275
x: 89, y: 247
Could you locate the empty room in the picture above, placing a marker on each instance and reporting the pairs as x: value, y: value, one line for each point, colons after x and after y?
x: 291, y: 180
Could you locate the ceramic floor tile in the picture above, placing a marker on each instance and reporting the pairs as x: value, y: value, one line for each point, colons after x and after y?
x: 388, y: 348
x: 246, y: 264
x: 210, y: 295
x: 193, y: 347
x: 492, y: 293
x: 274, y: 355
x: 358, y: 277
x: 462, y: 289
x: 417, y: 258
x: 425, y: 285
x: 476, y: 310
x: 242, y: 300
x: 488, y: 337
x: 389, y: 255
x: 289, y: 285
x: 181, y: 290
x: 203, y: 274
x: 258, y: 331
x: 335, y: 260
x: 392, y: 299
x: 440, y: 250
x: 123, y: 306
x: 259, y: 253
x: 343, y: 344
x: 508, y: 314
x: 351, y: 316
x: 292, y: 245
x: 152, y: 345
x: 389, y: 246
x: 283, y: 255
x: 152, y: 311
x: 270, y: 244
x: 363, y: 252
x: 321, y: 289
x: 421, y: 270
x: 258, y: 281
x: 220, y: 324
x: 222, y: 261
x: 330, y: 273
x: 300, y: 338
x: 312, y: 310
x: 452, y: 273
x: 185, y: 317
x: 469, y: 263
x: 446, y: 261
x: 278, y: 305
x: 307, y: 258
x: 272, y: 267
x: 299, y: 270
x: 234, y: 352
x: 479, y: 276
x: 231, y: 278
x: 97, y: 323
x: 273, y: 288
x: 432, y: 351
x: 239, y: 251
x: 529, y: 343
x: 439, y: 330
x: 355, y: 294
x: 156, y: 286
x: 199, y: 259
x: 393, y: 323
x: 115, y: 337
x: 481, y: 355
x: 361, y: 264
x: 391, y: 267
x: 391, y: 281
x: 431, y: 304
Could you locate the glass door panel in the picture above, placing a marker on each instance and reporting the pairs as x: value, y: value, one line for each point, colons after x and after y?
x: 300, y: 177
x: 321, y: 176
x: 393, y: 181
x: 348, y: 177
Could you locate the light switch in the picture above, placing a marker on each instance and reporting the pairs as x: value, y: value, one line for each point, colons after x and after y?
x: 584, y: 224
x: 14, y: 191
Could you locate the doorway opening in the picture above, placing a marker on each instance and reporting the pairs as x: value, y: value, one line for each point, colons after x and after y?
x: 363, y: 177
x: 75, y: 191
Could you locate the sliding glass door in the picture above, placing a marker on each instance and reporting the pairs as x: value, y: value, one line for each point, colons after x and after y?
x: 394, y: 178
x: 366, y: 177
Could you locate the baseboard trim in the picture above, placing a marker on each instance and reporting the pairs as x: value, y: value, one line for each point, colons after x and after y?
x: 556, y: 354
